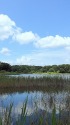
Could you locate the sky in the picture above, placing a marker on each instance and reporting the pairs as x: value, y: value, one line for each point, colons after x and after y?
x: 35, y: 32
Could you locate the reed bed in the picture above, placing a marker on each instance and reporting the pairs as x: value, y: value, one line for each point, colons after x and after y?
x: 10, y: 84
x: 47, y: 83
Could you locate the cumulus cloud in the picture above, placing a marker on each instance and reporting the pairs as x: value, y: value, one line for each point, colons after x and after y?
x: 6, y: 27
x: 5, y: 51
x: 25, y: 37
x: 53, y: 41
x: 9, y: 29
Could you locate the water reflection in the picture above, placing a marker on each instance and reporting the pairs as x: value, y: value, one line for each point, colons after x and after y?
x: 39, y: 100
x: 39, y: 103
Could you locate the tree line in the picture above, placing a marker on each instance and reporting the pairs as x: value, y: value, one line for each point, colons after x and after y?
x: 64, y: 68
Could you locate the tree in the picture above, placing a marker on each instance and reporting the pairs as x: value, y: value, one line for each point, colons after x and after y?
x: 51, y: 70
x: 5, y: 66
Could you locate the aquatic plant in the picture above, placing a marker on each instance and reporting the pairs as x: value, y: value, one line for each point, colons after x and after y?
x: 43, y: 83
x: 22, y: 119
x: 40, y: 117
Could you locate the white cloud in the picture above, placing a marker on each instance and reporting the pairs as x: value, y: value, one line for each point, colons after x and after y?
x: 6, y: 27
x: 23, y: 60
x: 48, y: 56
x: 43, y: 57
x: 53, y: 41
x: 25, y: 37
x: 5, y: 51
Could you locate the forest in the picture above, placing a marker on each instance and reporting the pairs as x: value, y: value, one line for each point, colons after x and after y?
x: 5, y: 67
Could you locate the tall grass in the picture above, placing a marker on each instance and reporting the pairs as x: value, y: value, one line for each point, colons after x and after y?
x: 48, y: 83
x: 44, y: 83
x: 22, y: 119
x: 7, y: 115
x: 54, y: 116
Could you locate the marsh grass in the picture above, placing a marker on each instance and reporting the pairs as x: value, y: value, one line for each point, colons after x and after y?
x: 45, y: 83
x: 7, y: 115
x: 13, y: 84
x: 22, y: 119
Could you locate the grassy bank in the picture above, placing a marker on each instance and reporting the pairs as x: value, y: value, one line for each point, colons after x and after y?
x: 44, y: 83
x: 8, y: 73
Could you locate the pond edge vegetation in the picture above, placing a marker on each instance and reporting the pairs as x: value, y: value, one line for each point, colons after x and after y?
x: 63, y: 118
x: 30, y: 83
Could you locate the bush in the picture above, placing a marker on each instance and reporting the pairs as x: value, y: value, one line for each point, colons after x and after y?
x: 51, y: 70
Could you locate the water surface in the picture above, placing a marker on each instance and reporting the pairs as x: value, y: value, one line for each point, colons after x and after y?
x: 39, y: 103
x: 37, y: 100
x: 65, y: 75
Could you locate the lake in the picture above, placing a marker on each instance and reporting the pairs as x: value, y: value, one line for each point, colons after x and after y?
x: 65, y: 75
x: 39, y: 101
x: 39, y: 104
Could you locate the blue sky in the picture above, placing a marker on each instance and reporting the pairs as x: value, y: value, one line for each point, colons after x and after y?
x: 35, y: 32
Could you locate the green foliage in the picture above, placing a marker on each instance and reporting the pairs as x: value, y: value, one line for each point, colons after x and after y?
x: 64, y: 68
x: 22, y: 119
x: 51, y: 70
x: 40, y: 120
x: 5, y: 66
x: 54, y: 116
x: 0, y: 121
x: 8, y: 112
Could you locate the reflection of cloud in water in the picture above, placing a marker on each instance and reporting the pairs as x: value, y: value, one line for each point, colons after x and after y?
x: 18, y: 109
x: 36, y: 100
x: 2, y: 97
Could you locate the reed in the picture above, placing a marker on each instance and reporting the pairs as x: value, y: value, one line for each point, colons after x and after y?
x: 44, y: 83
x: 22, y: 119
x: 42, y: 119
x: 48, y: 83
